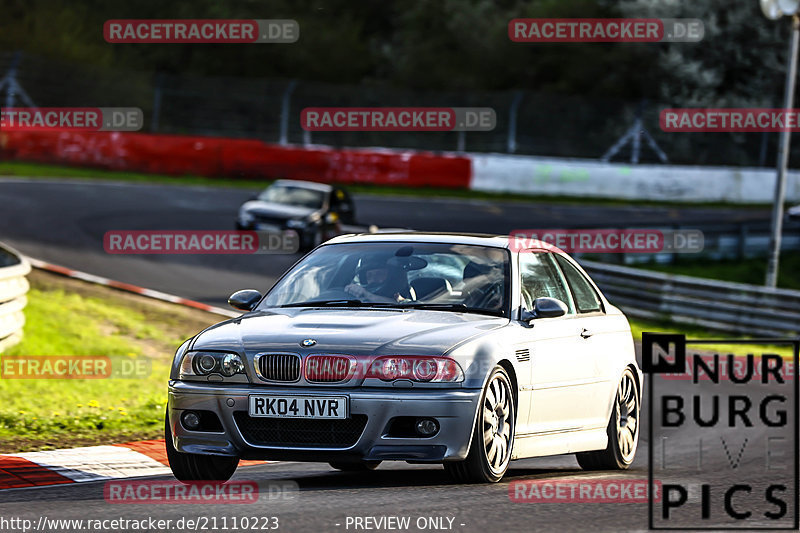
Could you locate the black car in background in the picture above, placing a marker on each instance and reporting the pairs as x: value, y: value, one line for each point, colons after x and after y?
x: 314, y: 210
x: 794, y: 213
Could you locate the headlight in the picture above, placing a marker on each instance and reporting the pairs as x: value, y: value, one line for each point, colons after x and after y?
x: 205, y: 363
x: 231, y: 364
x: 245, y: 217
x: 416, y: 368
x: 296, y: 223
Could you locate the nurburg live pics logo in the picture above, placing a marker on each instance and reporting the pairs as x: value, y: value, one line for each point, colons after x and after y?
x: 723, y: 441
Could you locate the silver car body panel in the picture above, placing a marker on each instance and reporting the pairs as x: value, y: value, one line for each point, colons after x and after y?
x: 565, y: 384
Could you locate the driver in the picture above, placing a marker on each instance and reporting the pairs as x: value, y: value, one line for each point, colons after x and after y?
x: 380, y: 281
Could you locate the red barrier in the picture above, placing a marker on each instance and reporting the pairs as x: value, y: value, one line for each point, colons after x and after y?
x: 234, y: 158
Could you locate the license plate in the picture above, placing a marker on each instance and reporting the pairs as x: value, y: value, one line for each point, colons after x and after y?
x: 330, y: 407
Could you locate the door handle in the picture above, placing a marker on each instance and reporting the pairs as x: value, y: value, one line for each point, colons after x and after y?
x: 586, y: 333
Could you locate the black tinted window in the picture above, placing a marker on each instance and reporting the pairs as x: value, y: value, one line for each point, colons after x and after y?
x: 586, y: 298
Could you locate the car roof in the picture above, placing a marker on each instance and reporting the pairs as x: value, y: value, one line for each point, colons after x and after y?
x: 476, y: 239
x: 324, y: 187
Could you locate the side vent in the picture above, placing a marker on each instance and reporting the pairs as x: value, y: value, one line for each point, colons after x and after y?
x: 523, y: 355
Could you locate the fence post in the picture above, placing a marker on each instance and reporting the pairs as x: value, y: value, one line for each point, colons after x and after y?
x: 156, y: 103
x: 511, y: 146
x: 287, y: 96
x: 742, y: 251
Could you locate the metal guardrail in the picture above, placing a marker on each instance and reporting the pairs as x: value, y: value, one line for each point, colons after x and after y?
x: 736, y: 308
x: 13, y: 289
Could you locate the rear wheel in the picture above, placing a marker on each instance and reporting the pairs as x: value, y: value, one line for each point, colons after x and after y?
x: 355, y: 466
x: 189, y: 467
x: 492, y: 436
x: 623, y: 430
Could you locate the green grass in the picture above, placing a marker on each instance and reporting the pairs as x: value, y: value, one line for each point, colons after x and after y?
x: 40, y: 171
x: 750, y: 270
x: 65, y: 323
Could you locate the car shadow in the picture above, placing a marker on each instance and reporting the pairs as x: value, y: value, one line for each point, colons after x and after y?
x: 425, y: 477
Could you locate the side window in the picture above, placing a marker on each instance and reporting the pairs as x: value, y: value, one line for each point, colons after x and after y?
x: 586, y: 298
x: 540, y: 277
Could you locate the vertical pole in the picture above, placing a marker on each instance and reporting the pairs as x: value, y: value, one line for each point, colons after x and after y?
x: 156, y: 103
x: 287, y: 96
x: 511, y: 146
x: 783, y: 162
x: 11, y: 77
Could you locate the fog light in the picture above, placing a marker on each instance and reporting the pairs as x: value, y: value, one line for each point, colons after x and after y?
x: 190, y: 420
x: 427, y: 427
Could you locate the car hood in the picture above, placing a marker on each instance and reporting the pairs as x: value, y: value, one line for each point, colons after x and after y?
x: 352, y: 331
x: 273, y: 210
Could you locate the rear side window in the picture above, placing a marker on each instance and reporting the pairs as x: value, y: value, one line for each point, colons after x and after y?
x: 586, y: 298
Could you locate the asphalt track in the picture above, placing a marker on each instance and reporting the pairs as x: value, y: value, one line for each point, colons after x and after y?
x: 324, y: 499
x: 64, y: 223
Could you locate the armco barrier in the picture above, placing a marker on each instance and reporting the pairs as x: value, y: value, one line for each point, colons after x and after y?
x: 729, y: 307
x: 13, y: 288
x: 235, y: 158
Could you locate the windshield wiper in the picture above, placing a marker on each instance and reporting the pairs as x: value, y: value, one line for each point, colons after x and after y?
x: 320, y: 303
x: 457, y: 307
x: 340, y: 303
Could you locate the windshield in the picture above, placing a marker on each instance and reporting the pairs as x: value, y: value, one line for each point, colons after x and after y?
x: 448, y: 277
x: 289, y: 195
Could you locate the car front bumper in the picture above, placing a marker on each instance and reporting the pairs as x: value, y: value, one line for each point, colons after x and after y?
x: 454, y: 409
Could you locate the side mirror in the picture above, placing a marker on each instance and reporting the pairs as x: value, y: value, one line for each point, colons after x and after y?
x: 544, y: 308
x: 548, y: 308
x: 244, y: 300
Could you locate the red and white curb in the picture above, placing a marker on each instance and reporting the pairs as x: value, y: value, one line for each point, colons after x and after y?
x: 95, y: 463
x: 91, y: 463
x: 150, y: 293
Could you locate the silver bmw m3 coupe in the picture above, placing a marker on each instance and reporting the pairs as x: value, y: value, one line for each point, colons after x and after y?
x: 465, y: 350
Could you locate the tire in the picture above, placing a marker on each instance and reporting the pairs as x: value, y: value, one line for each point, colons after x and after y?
x: 188, y: 467
x: 622, y: 430
x: 359, y: 466
x: 495, y: 422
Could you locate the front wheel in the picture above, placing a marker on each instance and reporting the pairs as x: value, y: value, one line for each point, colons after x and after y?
x: 492, y: 436
x: 622, y: 430
x: 188, y: 467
